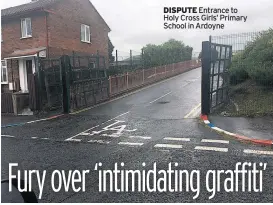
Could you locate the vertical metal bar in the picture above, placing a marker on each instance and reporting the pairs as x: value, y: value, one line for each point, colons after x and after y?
x: 218, y: 75
x: 65, y: 73
x: 224, y: 74
x: 98, y: 59
x: 143, y: 76
x: 73, y: 59
x: 110, y: 85
x: 131, y: 59
x: 127, y: 80
x: 211, y: 78
x: 205, y: 86
x: 142, y: 55
x: 40, y: 100
x: 104, y: 62
x: 116, y: 58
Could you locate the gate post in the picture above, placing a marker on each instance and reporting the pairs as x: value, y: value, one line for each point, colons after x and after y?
x: 65, y: 73
x: 205, y: 85
x: 39, y: 83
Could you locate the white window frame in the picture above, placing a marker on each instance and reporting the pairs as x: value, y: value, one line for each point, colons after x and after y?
x: 2, y: 68
x: 24, y: 28
x: 84, y: 30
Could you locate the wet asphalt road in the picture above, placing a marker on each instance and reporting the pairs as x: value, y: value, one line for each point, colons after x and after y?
x: 148, y: 126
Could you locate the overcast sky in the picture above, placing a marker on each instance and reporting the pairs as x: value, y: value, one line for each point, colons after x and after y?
x: 135, y: 23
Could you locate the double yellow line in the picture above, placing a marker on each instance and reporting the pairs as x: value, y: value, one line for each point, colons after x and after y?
x: 193, y: 113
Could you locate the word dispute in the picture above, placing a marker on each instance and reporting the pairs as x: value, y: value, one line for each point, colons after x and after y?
x: 245, y: 177
x: 200, y: 17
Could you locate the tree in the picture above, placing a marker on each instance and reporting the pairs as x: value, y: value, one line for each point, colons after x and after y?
x: 110, y: 51
x: 172, y: 51
x: 200, y: 55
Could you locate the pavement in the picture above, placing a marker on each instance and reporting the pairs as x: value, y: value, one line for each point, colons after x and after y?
x: 158, y: 124
x: 10, y: 119
x: 256, y: 128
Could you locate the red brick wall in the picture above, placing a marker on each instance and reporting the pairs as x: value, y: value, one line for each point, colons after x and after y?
x: 65, y: 23
x: 11, y: 34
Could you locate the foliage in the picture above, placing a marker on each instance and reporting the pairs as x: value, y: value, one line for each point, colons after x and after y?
x: 110, y: 51
x: 256, y: 61
x: 200, y: 55
x: 172, y: 51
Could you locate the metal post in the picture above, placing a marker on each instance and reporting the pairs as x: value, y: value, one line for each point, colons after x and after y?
x: 65, y: 72
x: 116, y: 58
x: 127, y: 80
x: 205, y: 86
x: 143, y: 76
x: 38, y: 67
x: 98, y: 59
x: 131, y: 59
x: 73, y: 59
x: 110, y: 86
x: 142, y: 55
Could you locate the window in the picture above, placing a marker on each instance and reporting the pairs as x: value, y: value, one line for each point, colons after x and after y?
x: 4, y: 72
x: 85, y: 33
x: 26, y: 27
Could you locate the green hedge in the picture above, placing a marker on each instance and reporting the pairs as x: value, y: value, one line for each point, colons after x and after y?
x: 255, y: 62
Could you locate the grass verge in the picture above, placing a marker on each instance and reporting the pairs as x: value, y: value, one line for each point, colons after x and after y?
x: 249, y: 99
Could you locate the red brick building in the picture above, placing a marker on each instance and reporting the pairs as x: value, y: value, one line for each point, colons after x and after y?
x: 47, y: 28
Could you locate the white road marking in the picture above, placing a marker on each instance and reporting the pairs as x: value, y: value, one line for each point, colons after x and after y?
x: 217, y: 149
x: 131, y: 143
x: 192, y: 111
x: 249, y: 151
x: 215, y: 141
x: 45, y: 138
x: 99, y: 141
x: 177, y: 139
x: 175, y: 146
x: 9, y: 136
x: 34, y: 137
x: 140, y: 137
x: 112, y: 135
x: 83, y: 133
x: 160, y: 97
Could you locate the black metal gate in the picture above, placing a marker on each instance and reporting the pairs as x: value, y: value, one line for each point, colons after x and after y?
x: 216, y: 59
x: 50, y: 84
x: 72, y: 82
x: 89, y: 84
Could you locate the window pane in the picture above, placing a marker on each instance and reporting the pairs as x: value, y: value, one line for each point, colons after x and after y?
x: 28, y: 26
x: 4, y: 77
x: 4, y: 74
x: 82, y: 32
x: 88, y: 33
x: 23, y: 27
